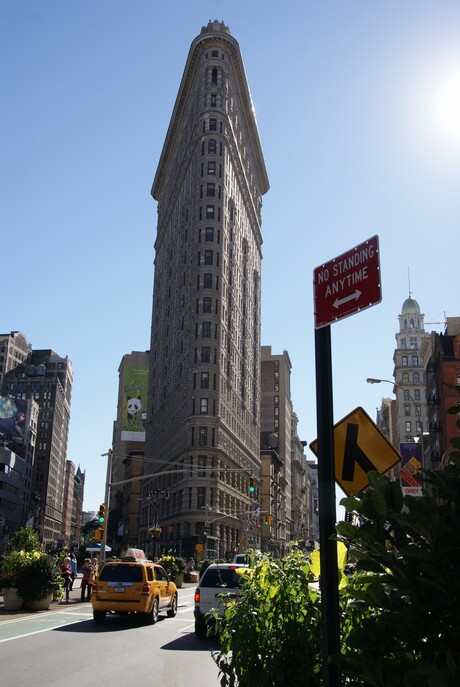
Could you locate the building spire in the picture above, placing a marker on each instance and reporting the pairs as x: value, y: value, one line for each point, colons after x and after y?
x: 408, y: 281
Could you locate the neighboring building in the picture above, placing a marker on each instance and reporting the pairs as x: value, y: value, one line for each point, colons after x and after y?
x: 46, y: 378
x: 408, y: 373
x: 276, y: 446
x: 286, y: 490
x: 443, y: 373
x: 77, y: 507
x: 123, y: 527
x: 14, y: 349
x: 204, y: 380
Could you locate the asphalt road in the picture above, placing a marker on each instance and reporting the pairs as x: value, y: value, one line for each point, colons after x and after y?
x: 65, y: 647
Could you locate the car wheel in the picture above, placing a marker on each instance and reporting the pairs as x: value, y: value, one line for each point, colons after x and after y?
x: 200, y: 629
x: 152, y: 617
x: 98, y: 616
x: 173, y: 610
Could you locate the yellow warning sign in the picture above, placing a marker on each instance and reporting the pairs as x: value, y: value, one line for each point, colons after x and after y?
x: 359, y: 447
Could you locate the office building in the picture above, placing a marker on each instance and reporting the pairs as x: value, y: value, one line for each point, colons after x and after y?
x: 203, y: 425
x: 45, y: 378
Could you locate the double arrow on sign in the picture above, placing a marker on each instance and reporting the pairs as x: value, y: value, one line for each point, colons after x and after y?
x: 359, y: 447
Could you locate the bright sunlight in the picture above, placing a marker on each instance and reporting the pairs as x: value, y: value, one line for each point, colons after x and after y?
x: 449, y: 105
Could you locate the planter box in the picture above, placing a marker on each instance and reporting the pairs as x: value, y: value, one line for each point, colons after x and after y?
x: 12, y: 602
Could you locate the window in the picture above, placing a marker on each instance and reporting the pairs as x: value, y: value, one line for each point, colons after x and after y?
x: 210, y: 190
x: 209, y: 211
x: 405, y: 378
x: 212, y: 146
x: 208, y: 257
x: 407, y: 411
x: 207, y: 304
x: 213, y: 124
x: 417, y: 394
x: 415, y: 360
x: 213, y: 100
x: 416, y: 378
x: 204, y: 380
x: 209, y: 234
x: 206, y: 329
x: 205, y: 354
x: 408, y: 427
x: 211, y: 167
x: 214, y: 75
x: 404, y: 361
x: 207, y: 281
x: 203, y: 406
x: 203, y: 436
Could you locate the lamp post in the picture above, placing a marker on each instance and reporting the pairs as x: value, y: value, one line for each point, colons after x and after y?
x: 418, y: 439
x: 374, y: 380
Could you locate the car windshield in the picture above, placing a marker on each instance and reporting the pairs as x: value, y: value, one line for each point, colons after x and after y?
x: 221, y: 577
x: 121, y: 573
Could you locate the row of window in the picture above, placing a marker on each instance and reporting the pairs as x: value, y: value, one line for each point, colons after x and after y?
x: 405, y: 360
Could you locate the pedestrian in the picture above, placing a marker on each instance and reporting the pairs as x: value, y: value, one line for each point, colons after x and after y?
x: 73, y: 565
x: 66, y: 574
x: 87, y: 571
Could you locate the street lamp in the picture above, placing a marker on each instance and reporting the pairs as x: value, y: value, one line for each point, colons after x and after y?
x: 374, y: 380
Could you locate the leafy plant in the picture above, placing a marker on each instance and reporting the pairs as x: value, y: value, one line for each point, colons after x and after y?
x: 406, y: 592
x: 174, y: 565
x: 12, y: 564
x: 25, y: 539
x: 270, y: 635
x: 39, y: 579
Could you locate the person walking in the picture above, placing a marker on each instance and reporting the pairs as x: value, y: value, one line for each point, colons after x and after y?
x: 66, y: 573
x: 73, y: 565
x: 87, y: 571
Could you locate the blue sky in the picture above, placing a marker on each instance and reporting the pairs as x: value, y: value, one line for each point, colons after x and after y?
x: 352, y: 103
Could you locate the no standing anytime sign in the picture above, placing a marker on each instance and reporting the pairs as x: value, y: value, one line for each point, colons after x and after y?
x: 347, y: 284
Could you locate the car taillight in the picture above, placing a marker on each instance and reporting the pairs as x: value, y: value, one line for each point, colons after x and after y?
x: 146, y: 589
x: 197, y: 596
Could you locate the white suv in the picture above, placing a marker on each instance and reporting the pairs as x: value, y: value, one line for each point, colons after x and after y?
x: 217, y: 580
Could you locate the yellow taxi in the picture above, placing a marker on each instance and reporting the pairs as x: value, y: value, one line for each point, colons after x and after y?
x: 133, y: 584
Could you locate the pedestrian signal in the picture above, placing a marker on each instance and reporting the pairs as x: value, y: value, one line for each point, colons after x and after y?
x: 98, y: 534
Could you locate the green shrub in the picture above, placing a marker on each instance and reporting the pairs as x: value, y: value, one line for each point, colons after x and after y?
x: 406, y: 592
x: 270, y: 636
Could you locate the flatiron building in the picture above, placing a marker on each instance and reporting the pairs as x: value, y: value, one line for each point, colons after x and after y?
x: 203, y: 421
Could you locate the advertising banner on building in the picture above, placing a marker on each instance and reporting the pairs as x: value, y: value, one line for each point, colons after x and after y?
x: 13, y: 414
x: 135, y: 391
x: 411, y: 463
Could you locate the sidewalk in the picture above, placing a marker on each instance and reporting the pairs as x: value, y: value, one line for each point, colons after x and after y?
x: 74, y: 598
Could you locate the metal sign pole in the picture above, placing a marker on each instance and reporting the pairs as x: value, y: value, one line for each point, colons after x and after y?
x: 327, y: 509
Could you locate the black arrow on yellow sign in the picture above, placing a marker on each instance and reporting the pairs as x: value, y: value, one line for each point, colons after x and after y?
x: 353, y: 460
x: 354, y: 454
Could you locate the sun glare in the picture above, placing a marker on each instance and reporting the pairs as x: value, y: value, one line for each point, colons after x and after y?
x: 449, y: 105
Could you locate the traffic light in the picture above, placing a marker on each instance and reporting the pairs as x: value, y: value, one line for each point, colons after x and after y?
x: 101, y: 514
x: 251, y: 485
x: 268, y: 520
x: 98, y: 534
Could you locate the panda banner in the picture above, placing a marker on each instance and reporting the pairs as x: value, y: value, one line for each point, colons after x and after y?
x: 135, y: 403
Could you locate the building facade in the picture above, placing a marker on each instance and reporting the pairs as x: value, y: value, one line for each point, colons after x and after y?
x: 46, y: 378
x: 443, y: 375
x: 124, y: 527
x: 203, y: 421
x: 409, y: 374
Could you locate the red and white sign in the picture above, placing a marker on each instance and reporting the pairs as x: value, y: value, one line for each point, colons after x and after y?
x: 347, y: 284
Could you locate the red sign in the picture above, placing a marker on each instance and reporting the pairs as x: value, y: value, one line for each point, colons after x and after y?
x: 347, y: 284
